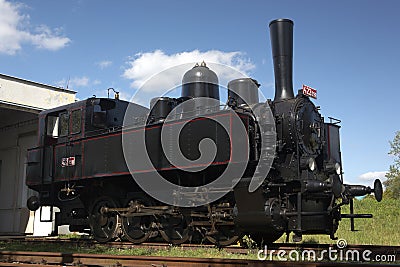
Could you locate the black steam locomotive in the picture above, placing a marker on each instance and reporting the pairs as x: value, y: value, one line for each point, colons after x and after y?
x: 99, y: 161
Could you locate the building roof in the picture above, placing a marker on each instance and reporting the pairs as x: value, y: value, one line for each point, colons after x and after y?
x: 29, y: 96
x: 51, y: 87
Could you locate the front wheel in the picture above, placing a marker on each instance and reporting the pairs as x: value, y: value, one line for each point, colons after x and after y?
x: 104, y: 226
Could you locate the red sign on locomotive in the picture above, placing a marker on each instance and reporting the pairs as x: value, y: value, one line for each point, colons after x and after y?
x: 66, y: 162
x: 308, y: 91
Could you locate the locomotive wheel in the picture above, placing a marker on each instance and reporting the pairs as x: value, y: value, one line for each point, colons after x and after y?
x: 175, y: 229
x: 104, y: 226
x: 226, y: 235
x: 137, y: 229
x: 265, y: 238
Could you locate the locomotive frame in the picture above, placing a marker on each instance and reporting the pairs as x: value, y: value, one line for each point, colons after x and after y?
x: 80, y: 167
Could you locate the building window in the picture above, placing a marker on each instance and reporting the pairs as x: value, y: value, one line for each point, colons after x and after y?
x: 76, y: 121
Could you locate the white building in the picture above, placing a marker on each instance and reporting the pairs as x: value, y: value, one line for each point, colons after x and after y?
x: 20, y: 103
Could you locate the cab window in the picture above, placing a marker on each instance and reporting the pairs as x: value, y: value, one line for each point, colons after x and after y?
x: 100, y: 108
x: 99, y: 117
x: 76, y: 121
x: 52, y: 126
x: 56, y: 126
x: 63, y: 124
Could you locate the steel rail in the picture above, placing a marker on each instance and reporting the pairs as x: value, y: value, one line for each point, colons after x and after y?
x: 8, y: 258
x: 238, y: 249
x: 272, y: 248
x: 153, y: 245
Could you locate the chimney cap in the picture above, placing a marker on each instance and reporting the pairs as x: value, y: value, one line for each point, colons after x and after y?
x: 281, y: 20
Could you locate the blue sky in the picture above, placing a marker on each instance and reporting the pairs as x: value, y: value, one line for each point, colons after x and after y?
x: 347, y: 50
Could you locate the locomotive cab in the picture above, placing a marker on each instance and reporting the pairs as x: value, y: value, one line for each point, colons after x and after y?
x: 59, y: 153
x: 70, y: 149
x: 60, y: 125
x: 56, y: 126
x: 80, y: 119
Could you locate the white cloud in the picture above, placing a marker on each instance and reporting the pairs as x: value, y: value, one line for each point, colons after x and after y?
x: 96, y: 82
x: 62, y: 83
x: 15, y: 30
x: 76, y: 82
x: 144, y: 65
x: 104, y: 64
x: 371, y: 176
x: 80, y: 81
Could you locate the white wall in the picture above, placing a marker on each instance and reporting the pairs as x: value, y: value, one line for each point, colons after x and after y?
x: 30, y: 94
x: 13, y: 192
x: 20, y: 102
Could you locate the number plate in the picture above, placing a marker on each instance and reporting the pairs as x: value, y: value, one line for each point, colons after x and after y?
x: 66, y: 162
x: 308, y: 91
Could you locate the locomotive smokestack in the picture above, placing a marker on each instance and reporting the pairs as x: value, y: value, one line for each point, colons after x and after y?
x: 281, y: 31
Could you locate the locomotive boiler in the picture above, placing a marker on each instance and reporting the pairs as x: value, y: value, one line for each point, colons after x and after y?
x: 112, y: 167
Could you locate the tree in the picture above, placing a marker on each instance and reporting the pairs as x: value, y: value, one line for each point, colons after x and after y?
x: 393, y: 176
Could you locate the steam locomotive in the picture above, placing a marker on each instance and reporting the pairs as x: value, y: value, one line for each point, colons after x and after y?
x: 108, y: 164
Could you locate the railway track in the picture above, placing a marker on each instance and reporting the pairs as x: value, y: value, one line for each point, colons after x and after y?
x: 66, y: 259
x: 292, y: 252
x: 233, y: 249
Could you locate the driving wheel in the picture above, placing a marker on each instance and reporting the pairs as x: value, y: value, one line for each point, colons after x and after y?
x: 175, y: 229
x: 104, y: 225
x: 137, y: 229
x: 224, y: 235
